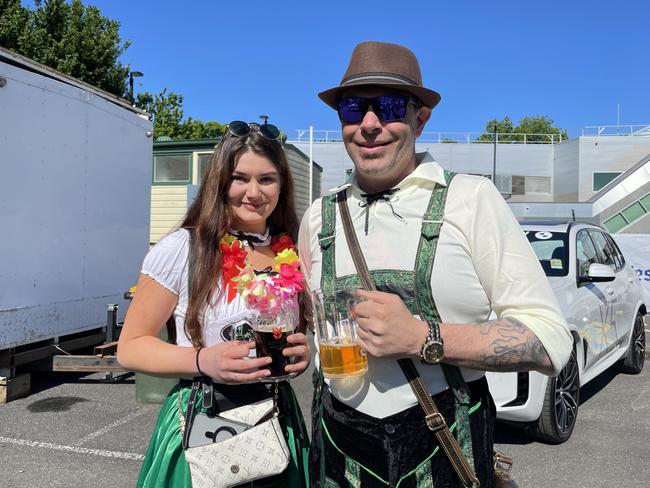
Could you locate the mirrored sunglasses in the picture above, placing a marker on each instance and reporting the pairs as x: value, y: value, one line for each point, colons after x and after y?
x: 388, y: 108
x: 239, y: 128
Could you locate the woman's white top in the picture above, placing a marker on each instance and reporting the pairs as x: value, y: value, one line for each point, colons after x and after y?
x: 167, y: 263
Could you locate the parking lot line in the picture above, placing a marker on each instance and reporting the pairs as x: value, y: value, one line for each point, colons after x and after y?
x: 76, y: 449
x: 109, y: 427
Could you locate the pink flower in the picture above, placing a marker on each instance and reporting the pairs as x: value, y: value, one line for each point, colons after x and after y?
x: 291, y: 277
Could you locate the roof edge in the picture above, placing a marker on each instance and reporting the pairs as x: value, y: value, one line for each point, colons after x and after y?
x: 20, y: 61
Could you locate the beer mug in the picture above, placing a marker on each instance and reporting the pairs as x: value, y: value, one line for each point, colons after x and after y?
x: 336, y: 328
x: 270, y: 336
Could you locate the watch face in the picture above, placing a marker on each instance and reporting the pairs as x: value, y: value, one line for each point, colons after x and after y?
x: 433, y: 352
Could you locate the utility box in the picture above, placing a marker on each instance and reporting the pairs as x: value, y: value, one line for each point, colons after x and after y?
x: 74, y: 205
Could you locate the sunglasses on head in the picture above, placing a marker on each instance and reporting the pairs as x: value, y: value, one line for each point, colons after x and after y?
x: 239, y: 128
x: 388, y: 108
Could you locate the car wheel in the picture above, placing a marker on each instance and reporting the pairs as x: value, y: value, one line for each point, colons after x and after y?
x: 634, y: 359
x: 560, y: 410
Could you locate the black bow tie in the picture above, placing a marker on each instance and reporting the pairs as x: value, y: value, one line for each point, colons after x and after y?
x: 380, y: 195
x: 250, y: 239
x: 374, y: 197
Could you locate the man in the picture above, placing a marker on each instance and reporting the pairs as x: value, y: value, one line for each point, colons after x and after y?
x: 439, y: 280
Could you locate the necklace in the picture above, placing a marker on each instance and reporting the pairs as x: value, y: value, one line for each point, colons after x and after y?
x: 264, y: 290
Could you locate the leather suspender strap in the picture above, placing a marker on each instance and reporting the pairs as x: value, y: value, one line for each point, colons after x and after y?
x: 353, y: 242
x: 434, y: 419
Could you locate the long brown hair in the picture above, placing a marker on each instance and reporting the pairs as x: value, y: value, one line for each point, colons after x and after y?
x: 210, y: 216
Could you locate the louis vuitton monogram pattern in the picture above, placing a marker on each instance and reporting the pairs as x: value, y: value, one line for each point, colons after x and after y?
x: 256, y: 453
x: 249, y: 414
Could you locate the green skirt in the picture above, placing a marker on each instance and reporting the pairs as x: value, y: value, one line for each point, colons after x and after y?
x: 165, y: 466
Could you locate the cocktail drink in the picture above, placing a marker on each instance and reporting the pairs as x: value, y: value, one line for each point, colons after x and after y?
x: 340, y: 354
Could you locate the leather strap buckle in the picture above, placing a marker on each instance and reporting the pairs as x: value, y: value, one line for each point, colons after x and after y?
x: 435, y: 421
x: 502, y: 463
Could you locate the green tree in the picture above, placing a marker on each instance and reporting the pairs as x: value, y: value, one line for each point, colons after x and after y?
x: 70, y: 37
x: 166, y: 110
x: 197, y: 129
x: 540, y: 125
x: 13, y: 19
x: 530, y: 129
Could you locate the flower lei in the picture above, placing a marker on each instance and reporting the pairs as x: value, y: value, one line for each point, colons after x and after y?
x: 267, y: 290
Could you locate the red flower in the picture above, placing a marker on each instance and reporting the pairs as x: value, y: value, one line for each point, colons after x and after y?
x: 282, y: 242
x: 233, y: 258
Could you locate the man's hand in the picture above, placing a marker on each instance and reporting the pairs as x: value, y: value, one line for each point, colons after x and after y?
x: 386, y: 327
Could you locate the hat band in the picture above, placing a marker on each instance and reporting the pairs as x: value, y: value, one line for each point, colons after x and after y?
x: 378, y: 78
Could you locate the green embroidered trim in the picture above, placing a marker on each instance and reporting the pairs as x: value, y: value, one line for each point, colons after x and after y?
x: 330, y: 483
x: 385, y: 278
x: 423, y: 476
x: 431, y: 224
x: 352, y: 474
x: 455, y: 379
x: 372, y: 473
x: 381, y: 277
x: 326, y: 239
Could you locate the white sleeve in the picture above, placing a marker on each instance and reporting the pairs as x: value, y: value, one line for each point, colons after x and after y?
x: 304, y: 245
x: 166, y: 262
x: 511, y: 275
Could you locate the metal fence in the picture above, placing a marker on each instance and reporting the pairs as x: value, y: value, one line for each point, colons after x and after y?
x: 616, y: 130
x: 302, y: 135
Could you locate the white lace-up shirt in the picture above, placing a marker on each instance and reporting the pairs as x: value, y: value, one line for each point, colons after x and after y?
x: 483, y: 263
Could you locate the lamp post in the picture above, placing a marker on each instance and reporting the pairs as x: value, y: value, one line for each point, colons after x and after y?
x: 265, y: 118
x: 133, y: 74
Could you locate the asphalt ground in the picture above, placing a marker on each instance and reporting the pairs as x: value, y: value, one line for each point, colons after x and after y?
x: 81, y: 431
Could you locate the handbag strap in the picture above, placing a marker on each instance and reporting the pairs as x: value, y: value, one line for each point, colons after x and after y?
x: 434, y: 419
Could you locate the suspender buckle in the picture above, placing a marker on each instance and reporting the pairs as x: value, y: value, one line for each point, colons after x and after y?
x: 435, y: 421
x: 325, y: 241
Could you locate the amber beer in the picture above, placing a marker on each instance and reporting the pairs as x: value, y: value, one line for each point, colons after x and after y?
x: 339, y: 360
x: 336, y: 327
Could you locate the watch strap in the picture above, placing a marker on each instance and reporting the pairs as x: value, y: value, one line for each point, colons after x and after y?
x: 433, y: 335
x: 434, y: 419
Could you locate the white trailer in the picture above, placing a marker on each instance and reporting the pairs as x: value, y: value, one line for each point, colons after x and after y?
x: 75, y: 188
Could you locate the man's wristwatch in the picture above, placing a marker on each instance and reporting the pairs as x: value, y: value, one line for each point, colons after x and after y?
x: 433, y: 349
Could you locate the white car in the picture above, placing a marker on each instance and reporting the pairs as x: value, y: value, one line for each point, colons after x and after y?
x: 603, y: 303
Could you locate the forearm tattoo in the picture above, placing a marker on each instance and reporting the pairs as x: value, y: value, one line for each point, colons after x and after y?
x: 512, y: 348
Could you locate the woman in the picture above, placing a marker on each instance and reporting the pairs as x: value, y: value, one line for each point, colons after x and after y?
x: 247, y: 196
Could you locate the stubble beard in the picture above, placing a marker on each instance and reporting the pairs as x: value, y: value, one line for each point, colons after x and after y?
x: 373, y: 170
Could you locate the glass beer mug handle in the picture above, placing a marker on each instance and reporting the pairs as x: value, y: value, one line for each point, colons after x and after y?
x: 340, y: 354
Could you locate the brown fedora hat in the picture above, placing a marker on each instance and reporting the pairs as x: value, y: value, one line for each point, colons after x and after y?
x: 382, y: 64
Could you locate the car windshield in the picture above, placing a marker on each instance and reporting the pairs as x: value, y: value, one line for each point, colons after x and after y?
x: 551, y: 250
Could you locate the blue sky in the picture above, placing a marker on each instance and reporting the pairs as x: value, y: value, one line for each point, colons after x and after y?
x: 578, y: 62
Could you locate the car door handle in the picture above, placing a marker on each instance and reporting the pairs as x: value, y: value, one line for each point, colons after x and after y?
x: 610, y: 291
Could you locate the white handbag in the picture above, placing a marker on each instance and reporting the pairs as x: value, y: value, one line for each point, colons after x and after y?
x: 258, y: 452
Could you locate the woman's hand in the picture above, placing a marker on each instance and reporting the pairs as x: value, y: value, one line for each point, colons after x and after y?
x: 299, y: 349
x: 228, y: 362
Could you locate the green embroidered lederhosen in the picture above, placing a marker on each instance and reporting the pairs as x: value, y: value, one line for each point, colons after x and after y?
x: 414, y: 287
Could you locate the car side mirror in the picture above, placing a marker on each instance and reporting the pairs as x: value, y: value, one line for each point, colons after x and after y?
x: 598, y: 273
